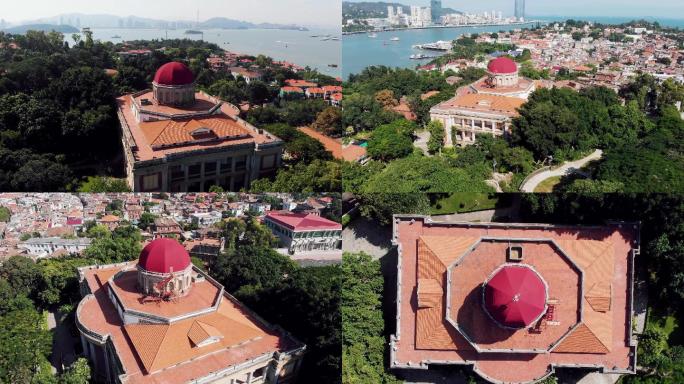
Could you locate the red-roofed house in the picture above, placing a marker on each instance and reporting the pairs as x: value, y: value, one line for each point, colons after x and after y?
x: 291, y: 92
x: 315, y: 92
x: 300, y: 83
x: 300, y: 232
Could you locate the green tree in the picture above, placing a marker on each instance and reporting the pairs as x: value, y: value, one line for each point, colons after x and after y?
x: 363, y: 341
x: 77, y: 373
x: 391, y: 141
x: 436, y: 141
x: 25, y: 344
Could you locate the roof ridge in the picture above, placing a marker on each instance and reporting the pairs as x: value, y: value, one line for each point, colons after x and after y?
x: 161, y: 342
x: 161, y: 131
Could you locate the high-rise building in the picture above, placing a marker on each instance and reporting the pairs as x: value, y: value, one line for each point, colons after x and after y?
x: 520, y: 9
x: 390, y: 11
x: 436, y: 10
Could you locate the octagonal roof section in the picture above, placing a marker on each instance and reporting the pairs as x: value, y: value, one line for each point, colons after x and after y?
x: 562, y: 285
x: 204, y: 296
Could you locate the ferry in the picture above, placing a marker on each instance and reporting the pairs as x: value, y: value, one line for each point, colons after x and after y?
x: 394, y: 39
x: 420, y: 56
x: 373, y: 35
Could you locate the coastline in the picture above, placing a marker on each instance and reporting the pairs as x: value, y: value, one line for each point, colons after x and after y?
x: 446, y: 27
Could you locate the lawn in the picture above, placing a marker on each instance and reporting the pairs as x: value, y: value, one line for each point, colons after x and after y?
x: 547, y: 185
x: 464, y: 202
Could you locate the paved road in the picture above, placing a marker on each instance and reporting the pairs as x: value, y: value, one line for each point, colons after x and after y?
x: 422, y: 140
x: 566, y: 169
x: 63, y: 353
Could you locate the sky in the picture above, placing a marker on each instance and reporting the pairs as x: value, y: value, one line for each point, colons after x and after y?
x: 619, y: 8
x: 300, y: 12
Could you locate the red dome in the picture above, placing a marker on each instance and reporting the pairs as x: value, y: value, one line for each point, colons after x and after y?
x: 164, y: 256
x: 174, y: 73
x: 502, y: 65
x: 515, y: 296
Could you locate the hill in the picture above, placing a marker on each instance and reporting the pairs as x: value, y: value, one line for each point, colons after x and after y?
x: 21, y: 29
x: 112, y: 21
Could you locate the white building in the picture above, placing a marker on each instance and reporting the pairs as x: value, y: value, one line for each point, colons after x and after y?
x: 206, y: 219
x: 45, y: 246
x: 300, y: 232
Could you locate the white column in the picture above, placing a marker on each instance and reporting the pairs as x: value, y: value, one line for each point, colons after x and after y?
x: 483, y: 124
x: 493, y: 126
x: 85, y: 346
x: 447, y: 131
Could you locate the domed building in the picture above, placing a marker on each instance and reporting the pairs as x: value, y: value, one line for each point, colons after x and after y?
x: 174, y: 84
x: 502, y: 72
x: 160, y: 320
x: 514, y: 301
x: 164, y: 269
x: 176, y: 139
x: 485, y: 106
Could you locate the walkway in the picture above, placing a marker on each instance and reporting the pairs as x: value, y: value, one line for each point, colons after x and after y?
x: 566, y: 169
x: 422, y: 139
x: 363, y: 235
x: 63, y: 353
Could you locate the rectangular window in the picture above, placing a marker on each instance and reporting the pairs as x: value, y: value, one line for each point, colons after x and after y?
x: 150, y: 182
x: 195, y: 170
x: 210, y: 169
x: 227, y: 165
x: 241, y: 163
x: 268, y: 162
x: 177, y: 172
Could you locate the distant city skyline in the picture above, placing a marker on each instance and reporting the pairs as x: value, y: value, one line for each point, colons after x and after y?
x: 324, y: 13
x: 666, y: 9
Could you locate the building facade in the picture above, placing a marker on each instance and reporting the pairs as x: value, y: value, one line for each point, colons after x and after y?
x: 44, y: 246
x: 520, y: 10
x: 302, y: 232
x: 177, y: 140
x: 160, y: 319
x: 514, y: 301
x: 486, y: 106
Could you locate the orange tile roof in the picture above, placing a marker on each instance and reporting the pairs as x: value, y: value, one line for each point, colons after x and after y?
x: 288, y: 88
x: 143, y: 149
x: 330, y: 144
x: 110, y: 219
x: 428, y: 95
x: 174, y: 132
x: 165, y: 346
x: 160, y: 353
x: 601, y: 339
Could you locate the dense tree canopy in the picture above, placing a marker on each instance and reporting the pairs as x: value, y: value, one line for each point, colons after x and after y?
x: 392, y: 141
x: 363, y: 345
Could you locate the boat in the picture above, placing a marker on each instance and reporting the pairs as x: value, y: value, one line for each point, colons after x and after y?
x: 419, y: 56
x: 193, y: 32
x: 373, y: 35
x: 394, y: 39
x: 332, y: 65
x: 335, y: 39
x: 116, y: 37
